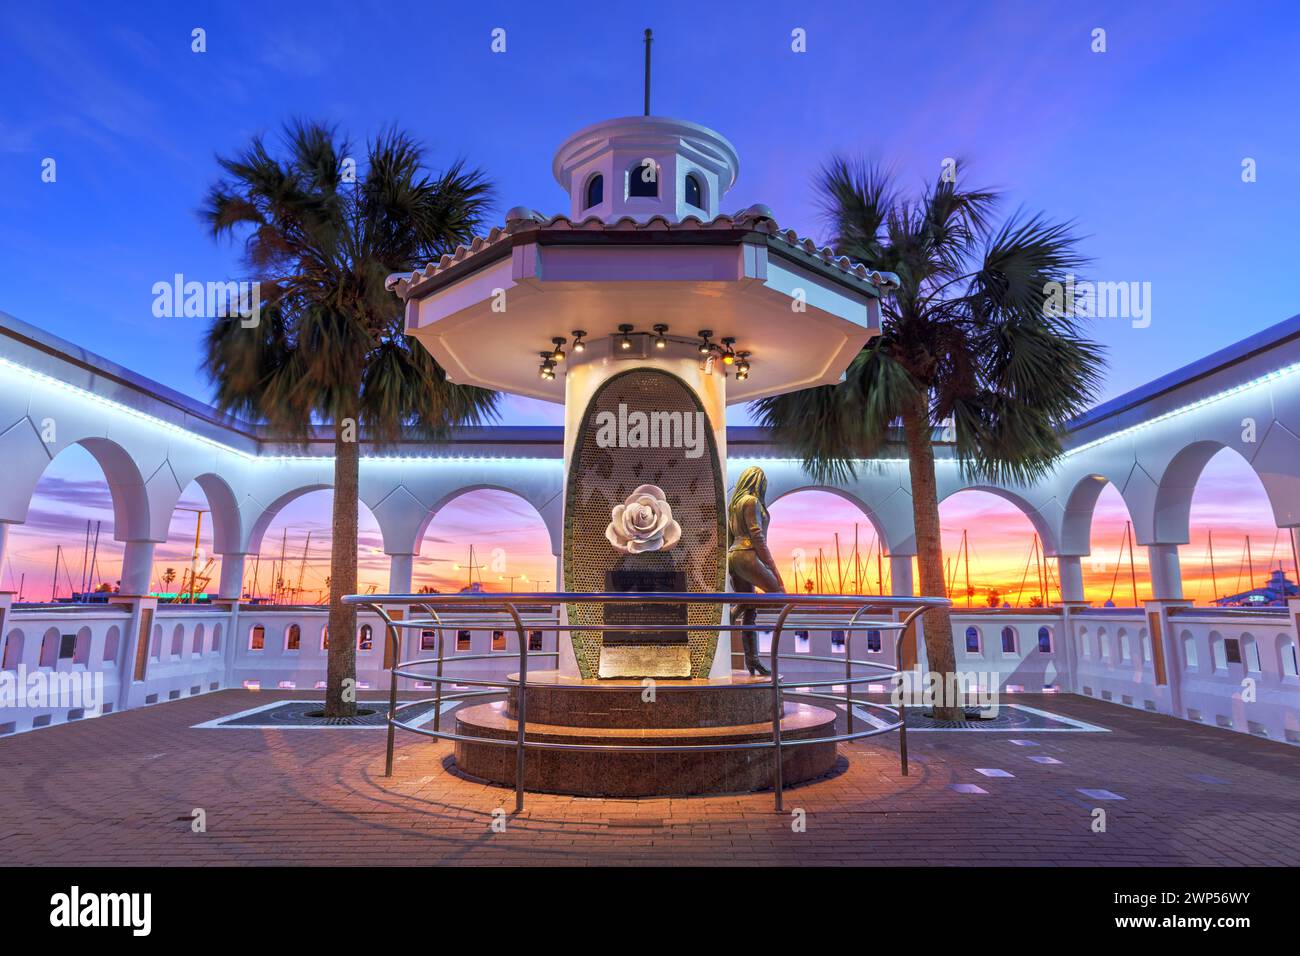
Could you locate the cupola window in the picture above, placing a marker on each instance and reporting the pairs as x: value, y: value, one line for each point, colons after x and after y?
x: 694, y: 194
x: 595, y: 191
x: 643, y: 180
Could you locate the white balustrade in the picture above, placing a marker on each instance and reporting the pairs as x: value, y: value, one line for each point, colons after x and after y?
x: 1231, y: 669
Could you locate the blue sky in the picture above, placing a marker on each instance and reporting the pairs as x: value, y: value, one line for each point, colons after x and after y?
x: 1142, y: 144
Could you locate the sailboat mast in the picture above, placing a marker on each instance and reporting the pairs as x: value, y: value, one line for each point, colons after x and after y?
x: 1038, y: 553
x: 1214, y: 575
x: 94, y: 562
x: 857, y: 562
x: 839, y: 568
x: 1250, y: 564
x: 54, y: 588
x: 85, y: 557
x: 965, y: 548
x: 279, y: 582
x: 302, y: 565
x: 194, y: 555
x: 1132, y: 565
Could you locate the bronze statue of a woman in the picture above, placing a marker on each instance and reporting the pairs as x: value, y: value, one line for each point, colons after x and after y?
x: 749, y: 562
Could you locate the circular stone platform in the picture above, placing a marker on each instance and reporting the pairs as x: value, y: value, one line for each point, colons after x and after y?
x: 554, y: 698
x: 683, y: 712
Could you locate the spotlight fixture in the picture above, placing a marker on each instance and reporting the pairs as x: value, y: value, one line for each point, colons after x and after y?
x: 705, y: 345
x: 547, y: 369
x: 578, y: 344
x: 660, y: 341
x: 728, y: 356
x: 558, y: 354
x: 742, y: 366
x: 625, y: 343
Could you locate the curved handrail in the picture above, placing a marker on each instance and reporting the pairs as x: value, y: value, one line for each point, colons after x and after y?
x: 509, y: 605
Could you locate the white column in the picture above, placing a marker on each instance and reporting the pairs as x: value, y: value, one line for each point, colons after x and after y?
x: 1069, y: 568
x: 137, y: 567
x: 1166, y: 576
x: 232, y: 576
x: 400, y: 569
x: 901, y: 585
x: 900, y: 575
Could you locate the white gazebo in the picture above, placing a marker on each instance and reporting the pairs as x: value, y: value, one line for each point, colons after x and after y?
x: 644, y: 272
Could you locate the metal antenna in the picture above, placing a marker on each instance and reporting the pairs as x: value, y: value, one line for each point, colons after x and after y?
x: 648, y: 40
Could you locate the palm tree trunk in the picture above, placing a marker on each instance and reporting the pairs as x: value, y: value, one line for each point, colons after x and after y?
x: 929, y: 551
x: 341, y: 669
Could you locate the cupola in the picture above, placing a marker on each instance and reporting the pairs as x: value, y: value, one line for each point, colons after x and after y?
x: 645, y: 166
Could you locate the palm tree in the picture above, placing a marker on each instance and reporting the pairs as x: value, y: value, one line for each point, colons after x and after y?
x: 967, y: 342
x: 328, y: 345
x: 169, y: 576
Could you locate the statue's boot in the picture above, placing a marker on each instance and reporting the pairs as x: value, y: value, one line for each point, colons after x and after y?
x: 749, y: 641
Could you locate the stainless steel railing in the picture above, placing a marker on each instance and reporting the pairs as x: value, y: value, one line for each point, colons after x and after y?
x: 774, y: 612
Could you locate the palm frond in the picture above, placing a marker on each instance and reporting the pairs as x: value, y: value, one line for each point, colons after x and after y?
x: 834, y: 428
x: 856, y: 200
x: 967, y: 327
x: 332, y: 343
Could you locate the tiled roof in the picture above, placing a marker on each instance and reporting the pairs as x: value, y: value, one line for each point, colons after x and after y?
x: 757, y: 218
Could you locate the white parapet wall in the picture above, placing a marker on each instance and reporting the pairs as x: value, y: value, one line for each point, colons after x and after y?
x: 1231, y: 669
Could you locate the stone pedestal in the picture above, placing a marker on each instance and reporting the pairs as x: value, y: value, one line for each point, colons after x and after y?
x: 571, y: 710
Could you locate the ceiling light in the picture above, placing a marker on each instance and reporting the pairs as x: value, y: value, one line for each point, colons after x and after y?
x: 705, y: 345
x: 625, y: 343
x: 660, y: 341
x: 558, y: 354
x: 578, y: 344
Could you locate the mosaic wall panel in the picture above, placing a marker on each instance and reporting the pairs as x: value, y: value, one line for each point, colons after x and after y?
x: 601, y: 477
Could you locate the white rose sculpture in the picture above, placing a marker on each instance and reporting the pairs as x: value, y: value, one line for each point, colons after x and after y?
x: 643, y: 523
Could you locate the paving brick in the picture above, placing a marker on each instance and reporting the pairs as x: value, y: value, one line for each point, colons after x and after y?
x: 111, y: 791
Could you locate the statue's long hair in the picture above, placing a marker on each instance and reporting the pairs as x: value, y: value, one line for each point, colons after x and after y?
x: 752, y: 481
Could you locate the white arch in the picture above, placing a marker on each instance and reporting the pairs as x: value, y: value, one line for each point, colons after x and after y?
x: 227, y: 523
x: 867, y: 511
x: 264, y: 518
x: 126, y: 486
x: 554, y: 529
x: 1080, y: 510
x: 1177, y: 485
x: 1047, y: 533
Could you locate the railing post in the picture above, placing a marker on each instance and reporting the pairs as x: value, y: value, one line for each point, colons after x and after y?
x: 908, y: 620
x: 396, y: 644
x: 848, y: 673
x: 521, y: 707
x: 441, y: 640
x: 777, y: 768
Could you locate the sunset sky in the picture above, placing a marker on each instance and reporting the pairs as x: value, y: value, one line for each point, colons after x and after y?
x: 1142, y: 146
x: 510, y: 539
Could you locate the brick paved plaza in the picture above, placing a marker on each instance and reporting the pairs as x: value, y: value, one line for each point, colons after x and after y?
x: 120, y: 790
